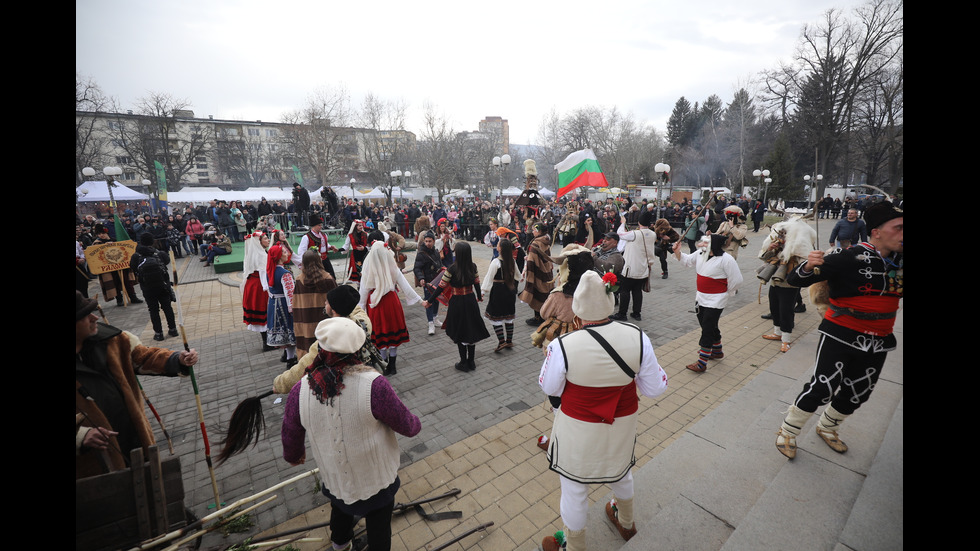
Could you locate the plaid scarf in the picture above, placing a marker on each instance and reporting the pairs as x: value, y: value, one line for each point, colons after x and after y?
x: 326, y: 374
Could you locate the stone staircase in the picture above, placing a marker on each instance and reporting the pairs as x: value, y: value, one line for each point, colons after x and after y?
x: 724, y: 486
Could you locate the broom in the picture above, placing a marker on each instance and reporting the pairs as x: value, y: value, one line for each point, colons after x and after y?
x: 244, y: 428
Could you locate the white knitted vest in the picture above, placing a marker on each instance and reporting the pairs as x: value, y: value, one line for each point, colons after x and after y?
x: 358, y: 456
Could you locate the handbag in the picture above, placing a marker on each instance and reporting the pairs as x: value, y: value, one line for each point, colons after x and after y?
x: 646, y: 282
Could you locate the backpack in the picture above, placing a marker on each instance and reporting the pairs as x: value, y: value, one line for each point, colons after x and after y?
x: 152, y: 273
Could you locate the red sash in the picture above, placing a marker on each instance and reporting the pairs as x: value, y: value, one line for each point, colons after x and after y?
x: 880, y: 327
x: 599, y: 404
x: 710, y: 285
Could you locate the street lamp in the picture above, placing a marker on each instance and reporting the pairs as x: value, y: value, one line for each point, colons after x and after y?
x: 663, y: 170
x: 396, y: 175
x: 764, y: 180
x: 501, y: 163
x: 809, y: 195
x: 108, y: 172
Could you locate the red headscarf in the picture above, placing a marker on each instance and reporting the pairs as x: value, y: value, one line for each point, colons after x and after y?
x: 275, y: 253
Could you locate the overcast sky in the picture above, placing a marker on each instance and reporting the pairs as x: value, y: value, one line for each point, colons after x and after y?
x: 256, y: 59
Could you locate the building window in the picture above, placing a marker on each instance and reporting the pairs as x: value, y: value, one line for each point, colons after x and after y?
x: 201, y: 159
x: 202, y: 165
x: 271, y: 133
x: 124, y: 160
x: 204, y: 181
x: 202, y: 174
x: 253, y: 131
x: 129, y: 175
x: 116, y: 125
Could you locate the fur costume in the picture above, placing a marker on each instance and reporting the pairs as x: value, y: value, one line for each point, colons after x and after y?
x: 530, y: 195
x: 573, y: 261
x: 798, y: 240
x: 124, y: 357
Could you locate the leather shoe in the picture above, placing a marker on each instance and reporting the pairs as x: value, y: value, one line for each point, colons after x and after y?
x: 618, y: 317
x: 784, y: 347
x: 173, y: 332
x: 786, y: 443
x: 831, y: 439
x: 664, y: 276
x: 772, y: 337
x: 158, y: 336
x: 697, y: 367
x: 611, y: 513
x: 800, y: 308
x: 637, y: 317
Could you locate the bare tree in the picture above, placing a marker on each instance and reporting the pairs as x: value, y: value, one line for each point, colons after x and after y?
x: 318, y: 136
x: 440, y: 153
x: 163, y: 131
x: 91, y: 141
x: 835, y: 64
x: 245, y: 158
x: 387, y: 145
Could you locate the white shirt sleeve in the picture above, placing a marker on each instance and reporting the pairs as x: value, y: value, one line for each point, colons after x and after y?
x: 552, y: 377
x: 411, y: 297
x: 487, y: 282
x: 652, y: 379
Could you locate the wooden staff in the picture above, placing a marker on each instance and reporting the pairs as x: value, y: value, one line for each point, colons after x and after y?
x: 197, y: 393
x: 152, y: 543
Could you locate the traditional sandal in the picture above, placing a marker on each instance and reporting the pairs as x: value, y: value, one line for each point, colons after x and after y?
x: 786, y: 443
x: 613, y: 515
x: 772, y: 337
x: 784, y: 347
x: 697, y: 367
x: 831, y: 439
x: 717, y: 356
x: 500, y: 346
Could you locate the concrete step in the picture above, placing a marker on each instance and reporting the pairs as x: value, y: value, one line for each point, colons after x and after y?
x: 723, y: 485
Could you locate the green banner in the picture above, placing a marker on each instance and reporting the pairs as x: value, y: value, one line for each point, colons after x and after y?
x: 297, y: 175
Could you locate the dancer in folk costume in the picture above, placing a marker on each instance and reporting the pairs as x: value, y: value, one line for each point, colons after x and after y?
x: 255, y: 286
x: 597, y: 372
x: 734, y: 229
x: 500, y: 284
x: 787, y: 246
x: 573, y: 261
x: 357, y: 243
x: 317, y: 239
x: 280, y: 310
x: 351, y: 415
x: 380, y: 281
x: 537, y: 273
x: 309, y: 299
x: 718, y: 278
x: 865, y: 285
x: 464, y: 324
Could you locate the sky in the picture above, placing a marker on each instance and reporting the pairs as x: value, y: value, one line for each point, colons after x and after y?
x: 256, y: 59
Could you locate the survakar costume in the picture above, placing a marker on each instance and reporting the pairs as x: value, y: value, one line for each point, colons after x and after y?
x: 856, y: 334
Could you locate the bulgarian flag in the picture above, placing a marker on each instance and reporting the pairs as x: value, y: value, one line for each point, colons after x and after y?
x: 579, y: 169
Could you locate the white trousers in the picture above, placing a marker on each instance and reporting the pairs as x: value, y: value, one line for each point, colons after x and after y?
x: 575, y: 499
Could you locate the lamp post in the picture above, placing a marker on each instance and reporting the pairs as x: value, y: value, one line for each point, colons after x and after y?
x: 501, y: 163
x: 396, y: 176
x: 809, y: 195
x: 108, y: 172
x: 764, y: 181
x: 663, y: 170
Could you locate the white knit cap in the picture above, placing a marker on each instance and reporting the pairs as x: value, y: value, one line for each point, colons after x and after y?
x: 341, y: 335
x: 591, y: 302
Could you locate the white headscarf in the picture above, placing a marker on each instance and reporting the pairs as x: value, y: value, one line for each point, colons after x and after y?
x: 377, y: 272
x: 256, y: 257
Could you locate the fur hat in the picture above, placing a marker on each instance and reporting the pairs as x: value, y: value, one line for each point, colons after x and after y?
x: 315, y: 220
x: 147, y: 240
x: 84, y: 306
x: 879, y: 213
x: 591, y: 302
x: 341, y: 335
x: 661, y: 225
x: 529, y: 168
x: 343, y: 300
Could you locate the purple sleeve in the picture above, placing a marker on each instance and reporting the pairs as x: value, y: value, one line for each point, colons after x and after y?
x: 293, y: 433
x: 387, y: 408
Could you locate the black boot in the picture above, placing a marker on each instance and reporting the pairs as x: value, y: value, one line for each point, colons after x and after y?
x: 391, y: 365
x: 471, y: 357
x: 462, y: 365
x: 283, y: 358
x: 265, y: 344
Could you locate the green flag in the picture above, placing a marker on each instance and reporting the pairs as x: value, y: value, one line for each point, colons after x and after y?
x: 297, y: 175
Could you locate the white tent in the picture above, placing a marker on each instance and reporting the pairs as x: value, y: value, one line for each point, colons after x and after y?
x: 545, y: 192
x: 512, y: 190
x: 98, y: 190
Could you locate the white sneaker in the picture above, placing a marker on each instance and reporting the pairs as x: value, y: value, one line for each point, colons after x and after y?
x: 437, y: 322
x: 432, y: 328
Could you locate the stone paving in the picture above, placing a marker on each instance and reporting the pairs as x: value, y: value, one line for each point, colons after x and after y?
x: 478, y: 429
